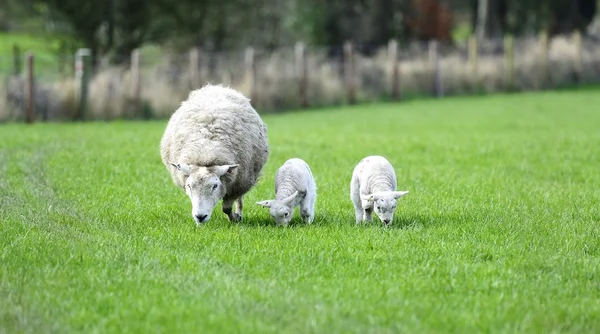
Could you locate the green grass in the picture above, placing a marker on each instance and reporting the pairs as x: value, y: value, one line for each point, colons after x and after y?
x: 499, y: 233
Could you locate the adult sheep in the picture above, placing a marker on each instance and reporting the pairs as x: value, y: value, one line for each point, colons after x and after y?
x: 215, y: 146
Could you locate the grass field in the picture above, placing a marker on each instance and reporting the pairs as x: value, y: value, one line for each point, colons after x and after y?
x: 499, y: 233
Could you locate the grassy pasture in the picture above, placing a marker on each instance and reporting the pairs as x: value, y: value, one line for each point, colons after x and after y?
x: 499, y: 233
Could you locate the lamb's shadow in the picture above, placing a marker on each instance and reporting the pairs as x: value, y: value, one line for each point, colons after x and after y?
x: 254, y: 219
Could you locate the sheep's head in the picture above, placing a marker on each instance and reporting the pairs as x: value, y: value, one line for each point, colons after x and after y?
x: 205, y: 187
x: 281, y: 210
x: 383, y: 203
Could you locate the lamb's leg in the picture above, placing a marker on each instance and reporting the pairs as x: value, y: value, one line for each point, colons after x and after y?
x: 355, y: 197
x: 307, y: 210
x: 368, y: 214
x: 358, y: 211
x: 228, y: 210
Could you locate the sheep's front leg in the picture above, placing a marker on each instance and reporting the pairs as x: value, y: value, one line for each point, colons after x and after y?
x: 228, y: 210
x: 239, y: 207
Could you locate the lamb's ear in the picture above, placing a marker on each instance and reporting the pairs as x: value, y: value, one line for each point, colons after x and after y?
x: 398, y: 194
x: 265, y: 204
x: 185, y: 169
x: 288, y: 200
x: 224, y: 169
x: 368, y: 198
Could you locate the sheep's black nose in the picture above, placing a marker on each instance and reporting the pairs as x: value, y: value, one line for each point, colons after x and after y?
x: 201, y: 218
x: 387, y: 221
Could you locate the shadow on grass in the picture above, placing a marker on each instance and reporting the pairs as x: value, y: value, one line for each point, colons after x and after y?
x: 407, y: 221
x: 428, y: 220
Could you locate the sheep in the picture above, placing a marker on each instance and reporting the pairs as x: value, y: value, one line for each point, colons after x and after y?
x: 294, y: 187
x: 373, y: 188
x: 215, y: 146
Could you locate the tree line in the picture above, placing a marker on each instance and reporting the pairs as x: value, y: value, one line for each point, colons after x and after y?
x: 116, y: 27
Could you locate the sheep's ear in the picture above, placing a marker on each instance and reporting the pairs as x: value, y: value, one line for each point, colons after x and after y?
x: 368, y: 198
x: 185, y: 169
x: 288, y: 200
x: 265, y: 204
x: 398, y: 194
x: 224, y: 169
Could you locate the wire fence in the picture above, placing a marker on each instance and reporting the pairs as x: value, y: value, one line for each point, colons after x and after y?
x: 155, y: 83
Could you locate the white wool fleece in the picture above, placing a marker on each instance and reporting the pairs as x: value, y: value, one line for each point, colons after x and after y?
x: 373, y: 188
x: 215, y: 146
x: 294, y: 187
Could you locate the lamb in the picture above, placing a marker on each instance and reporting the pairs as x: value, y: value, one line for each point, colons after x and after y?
x: 215, y: 146
x: 373, y: 188
x: 294, y: 187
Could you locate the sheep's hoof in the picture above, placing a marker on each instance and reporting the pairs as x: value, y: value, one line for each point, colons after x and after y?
x: 235, y: 217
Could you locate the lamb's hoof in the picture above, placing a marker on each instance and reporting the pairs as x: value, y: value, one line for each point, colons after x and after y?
x: 307, y: 219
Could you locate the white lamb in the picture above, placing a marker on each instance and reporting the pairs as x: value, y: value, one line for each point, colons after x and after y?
x: 373, y: 187
x: 215, y: 146
x: 294, y: 186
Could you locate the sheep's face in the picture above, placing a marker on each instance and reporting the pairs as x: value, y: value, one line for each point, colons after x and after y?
x: 204, y: 186
x: 384, y: 204
x: 281, y: 210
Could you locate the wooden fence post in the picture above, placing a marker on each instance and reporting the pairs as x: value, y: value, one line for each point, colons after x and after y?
x: 62, y: 58
x: 473, y: 50
x: 250, y: 73
x: 578, y: 56
x: 29, y: 89
x: 395, y: 71
x: 434, y: 59
x: 349, y: 71
x: 16, y: 60
x: 135, y: 81
x: 301, y: 74
x: 544, y: 58
x: 194, y: 68
x: 509, y: 61
x: 82, y: 74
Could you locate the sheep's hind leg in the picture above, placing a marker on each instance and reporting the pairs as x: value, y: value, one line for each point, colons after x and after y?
x: 307, y: 211
x: 228, y: 210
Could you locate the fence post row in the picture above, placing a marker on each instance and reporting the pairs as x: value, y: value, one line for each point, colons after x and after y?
x: 544, y: 58
x: 473, y: 50
x: 250, y: 73
x: 578, y: 56
x: 434, y: 60
x: 509, y: 62
x: 82, y: 70
x: 301, y: 74
x: 394, y: 69
x: 349, y: 71
x: 135, y: 81
x: 29, y: 89
x: 194, y: 68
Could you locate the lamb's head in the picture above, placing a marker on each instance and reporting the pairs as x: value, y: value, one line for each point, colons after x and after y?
x: 281, y: 210
x: 383, y: 203
x: 205, y: 187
